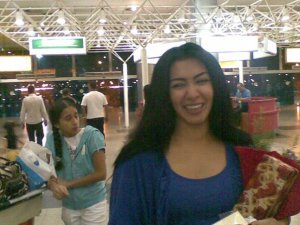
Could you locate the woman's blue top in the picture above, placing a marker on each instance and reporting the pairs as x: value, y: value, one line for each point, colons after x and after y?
x: 145, y: 191
x: 200, y: 201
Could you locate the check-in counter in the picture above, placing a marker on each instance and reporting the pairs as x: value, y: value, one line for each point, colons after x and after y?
x: 262, y: 115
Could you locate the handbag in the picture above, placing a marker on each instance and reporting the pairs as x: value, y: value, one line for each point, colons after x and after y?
x: 267, y: 189
x: 13, y: 181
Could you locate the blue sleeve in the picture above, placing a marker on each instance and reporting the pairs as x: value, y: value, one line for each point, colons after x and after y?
x: 125, y: 204
x: 96, y: 142
x: 247, y: 94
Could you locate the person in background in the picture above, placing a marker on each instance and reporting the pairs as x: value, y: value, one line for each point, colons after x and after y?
x: 66, y: 94
x: 79, y: 158
x: 242, y: 94
x: 182, y: 163
x: 11, y: 137
x: 94, y: 107
x: 33, y: 114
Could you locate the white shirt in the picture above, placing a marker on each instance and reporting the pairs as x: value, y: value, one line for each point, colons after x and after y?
x: 73, y: 142
x: 33, y: 110
x: 94, y: 101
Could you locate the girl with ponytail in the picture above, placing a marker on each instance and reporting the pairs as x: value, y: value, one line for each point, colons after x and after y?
x: 79, y: 156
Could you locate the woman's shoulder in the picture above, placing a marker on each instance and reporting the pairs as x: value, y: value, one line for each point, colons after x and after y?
x: 148, y: 159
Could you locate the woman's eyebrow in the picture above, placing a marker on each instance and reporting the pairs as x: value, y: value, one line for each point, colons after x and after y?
x: 200, y: 74
x: 183, y: 78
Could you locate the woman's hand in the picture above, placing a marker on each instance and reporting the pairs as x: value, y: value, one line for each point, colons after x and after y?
x: 271, y: 221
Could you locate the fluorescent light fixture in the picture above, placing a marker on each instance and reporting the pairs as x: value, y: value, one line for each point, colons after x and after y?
x: 30, y: 31
x: 230, y: 43
x: 181, y: 16
x: 100, y: 31
x: 167, y: 29
x: 255, y: 27
x: 19, y: 18
x: 15, y: 63
x: 250, y: 16
x: 285, y: 15
x: 133, y: 8
x: 61, y: 17
x: 292, y: 55
x: 134, y: 30
x: 232, y: 56
x: 286, y: 27
x: 67, y: 30
x: 102, y: 18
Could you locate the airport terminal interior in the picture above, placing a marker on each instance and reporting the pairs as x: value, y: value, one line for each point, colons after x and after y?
x: 117, y: 43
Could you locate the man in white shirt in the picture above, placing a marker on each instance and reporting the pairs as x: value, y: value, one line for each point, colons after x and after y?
x: 94, y: 107
x: 33, y: 112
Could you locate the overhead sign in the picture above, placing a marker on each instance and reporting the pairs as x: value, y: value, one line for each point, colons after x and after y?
x: 233, y: 56
x: 230, y: 43
x: 57, y: 45
x: 292, y: 55
x: 15, y: 63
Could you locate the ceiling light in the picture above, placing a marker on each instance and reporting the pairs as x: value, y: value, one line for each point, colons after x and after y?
x: 286, y: 27
x: 250, y: 16
x: 285, y: 15
x: 134, y: 30
x: 19, y: 18
x: 181, y: 16
x: 167, y: 29
x: 61, y: 17
x: 219, y: 15
x: 30, y: 31
x: 133, y: 8
x: 100, y: 31
x: 102, y: 17
x: 255, y: 27
x: 98, y: 44
x: 66, y: 30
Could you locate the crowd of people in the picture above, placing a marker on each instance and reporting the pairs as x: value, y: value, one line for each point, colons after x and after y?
x: 184, y: 163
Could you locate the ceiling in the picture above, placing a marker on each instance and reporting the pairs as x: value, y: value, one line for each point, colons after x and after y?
x: 205, y: 17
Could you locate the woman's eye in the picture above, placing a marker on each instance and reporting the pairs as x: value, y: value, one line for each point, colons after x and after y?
x: 177, y: 85
x: 203, y: 81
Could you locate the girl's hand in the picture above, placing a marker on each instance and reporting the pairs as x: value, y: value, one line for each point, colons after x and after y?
x: 60, y: 191
x: 270, y: 221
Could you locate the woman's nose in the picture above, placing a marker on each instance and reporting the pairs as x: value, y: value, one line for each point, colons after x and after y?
x: 192, y: 90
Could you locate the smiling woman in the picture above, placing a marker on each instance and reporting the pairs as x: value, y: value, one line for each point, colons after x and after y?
x: 182, y: 164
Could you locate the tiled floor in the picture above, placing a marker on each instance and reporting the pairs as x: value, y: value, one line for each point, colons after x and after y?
x: 289, y: 129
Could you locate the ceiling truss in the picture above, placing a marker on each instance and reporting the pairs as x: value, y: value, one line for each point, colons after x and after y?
x: 263, y: 18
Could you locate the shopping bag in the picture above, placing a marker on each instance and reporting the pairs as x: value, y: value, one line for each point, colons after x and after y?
x: 34, y: 160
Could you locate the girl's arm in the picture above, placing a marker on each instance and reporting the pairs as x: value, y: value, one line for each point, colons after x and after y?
x: 99, y: 173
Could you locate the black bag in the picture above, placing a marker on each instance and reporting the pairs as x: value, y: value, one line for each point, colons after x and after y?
x: 13, y: 181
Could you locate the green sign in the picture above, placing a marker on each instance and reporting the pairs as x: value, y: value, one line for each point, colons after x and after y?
x: 57, y: 45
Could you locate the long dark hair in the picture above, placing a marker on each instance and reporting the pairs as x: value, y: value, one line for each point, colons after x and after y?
x: 54, y: 114
x: 159, y: 117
